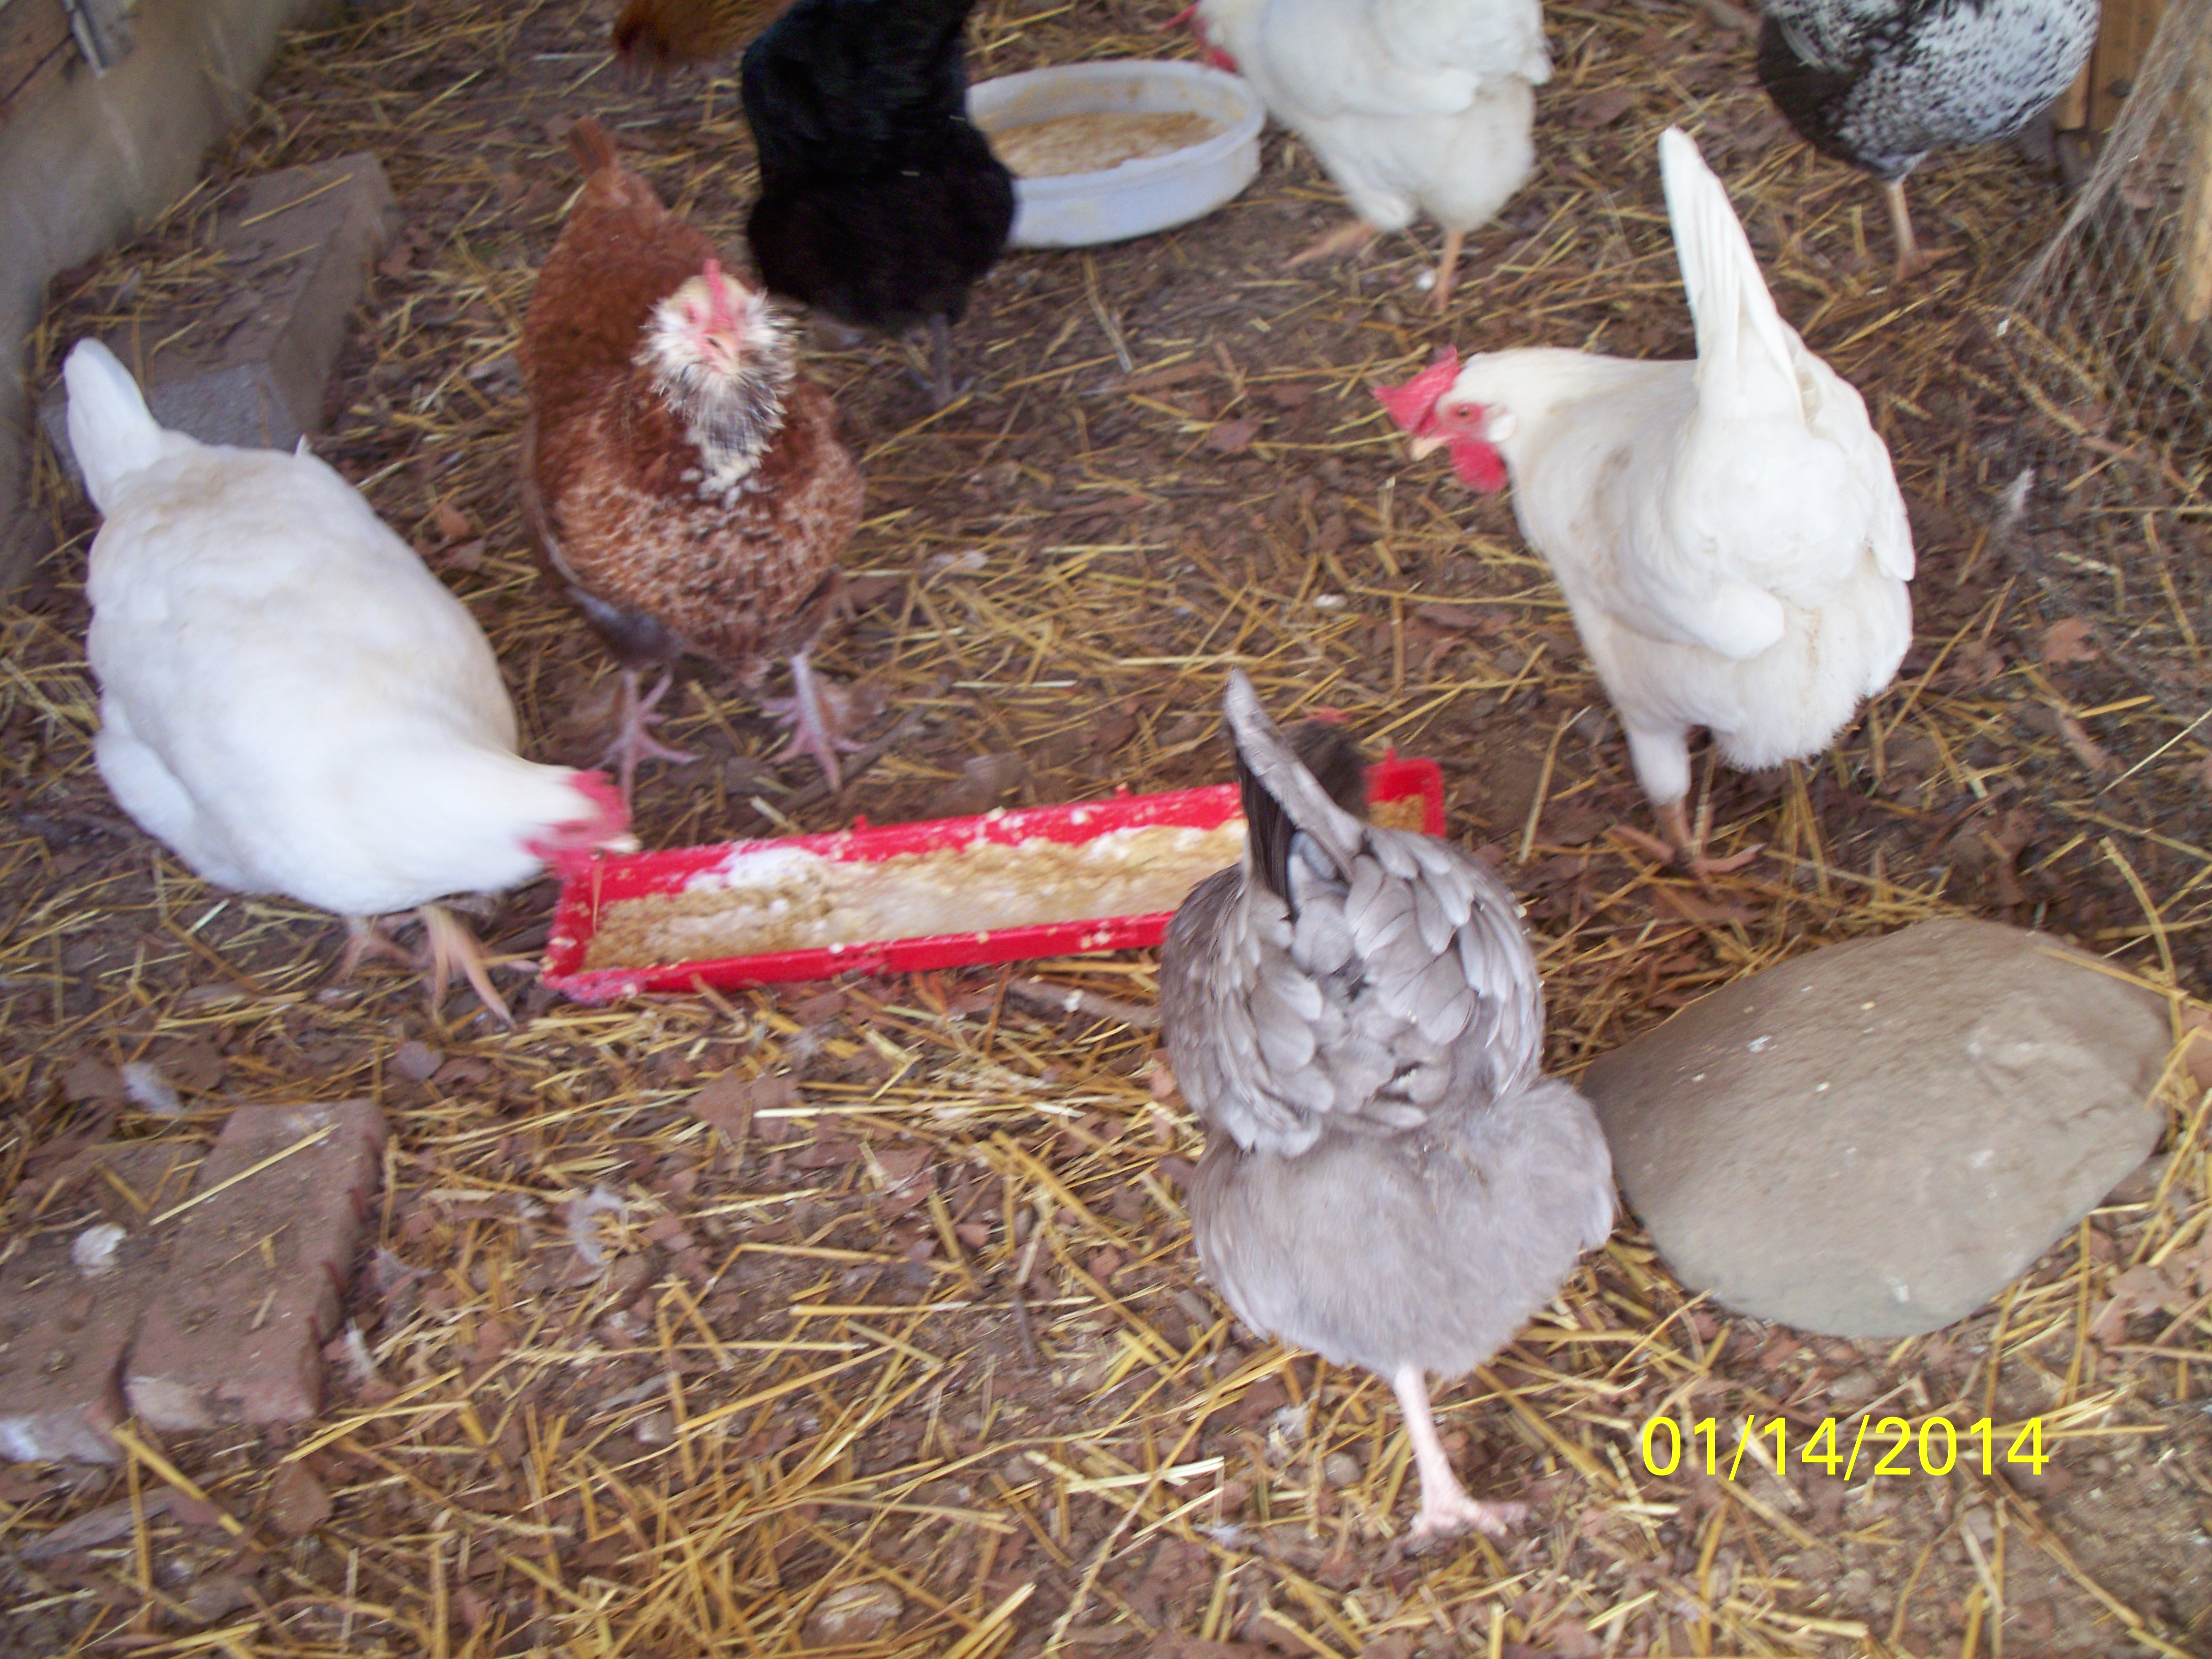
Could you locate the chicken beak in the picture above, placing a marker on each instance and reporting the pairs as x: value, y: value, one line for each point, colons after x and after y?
x: 622, y: 845
x: 1427, y: 444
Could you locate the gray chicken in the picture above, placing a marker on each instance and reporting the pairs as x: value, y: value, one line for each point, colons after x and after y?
x: 1355, y: 1012
x: 1879, y: 83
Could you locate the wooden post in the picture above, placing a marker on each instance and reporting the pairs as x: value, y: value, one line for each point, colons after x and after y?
x: 2191, y: 301
x: 2123, y: 35
x: 2071, y: 112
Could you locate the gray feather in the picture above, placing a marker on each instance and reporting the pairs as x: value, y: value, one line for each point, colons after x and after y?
x: 1387, y: 1178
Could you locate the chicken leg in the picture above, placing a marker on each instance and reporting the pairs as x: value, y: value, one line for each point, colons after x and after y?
x: 814, y: 712
x: 634, y: 740
x: 1911, y: 259
x: 1659, y: 757
x: 940, y: 356
x: 1447, y: 271
x: 1446, y: 1509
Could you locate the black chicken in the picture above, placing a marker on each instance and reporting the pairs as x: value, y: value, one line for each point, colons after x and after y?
x: 880, y: 203
x: 1879, y: 83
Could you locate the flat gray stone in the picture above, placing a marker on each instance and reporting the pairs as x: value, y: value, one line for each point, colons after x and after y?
x: 1874, y: 1139
x: 298, y: 250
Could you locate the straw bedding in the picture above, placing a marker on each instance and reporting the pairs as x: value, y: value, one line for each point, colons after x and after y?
x: 863, y: 1317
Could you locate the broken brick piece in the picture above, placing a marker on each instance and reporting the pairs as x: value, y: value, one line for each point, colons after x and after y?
x: 234, y: 1333
x: 63, y: 1327
x: 298, y: 251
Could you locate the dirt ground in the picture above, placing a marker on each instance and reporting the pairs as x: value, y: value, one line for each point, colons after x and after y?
x: 897, y: 1345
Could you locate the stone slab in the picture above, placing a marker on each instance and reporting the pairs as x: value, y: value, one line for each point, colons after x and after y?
x: 299, y: 249
x: 253, y: 1287
x: 1875, y: 1139
x: 62, y: 1330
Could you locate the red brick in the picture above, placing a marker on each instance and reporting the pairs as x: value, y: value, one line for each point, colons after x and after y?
x: 234, y: 1333
x: 63, y: 1333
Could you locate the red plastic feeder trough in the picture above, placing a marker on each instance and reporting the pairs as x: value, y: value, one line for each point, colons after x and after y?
x: 586, y: 900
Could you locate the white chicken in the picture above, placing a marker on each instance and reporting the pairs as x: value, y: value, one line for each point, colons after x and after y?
x: 289, y: 701
x: 1727, y: 532
x: 1410, y: 106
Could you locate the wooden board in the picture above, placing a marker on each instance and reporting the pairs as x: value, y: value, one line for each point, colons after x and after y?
x: 2123, y: 36
x: 36, y: 49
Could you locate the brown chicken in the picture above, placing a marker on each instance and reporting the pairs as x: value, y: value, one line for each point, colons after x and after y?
x: 685, y: 484
x: 658, y: 35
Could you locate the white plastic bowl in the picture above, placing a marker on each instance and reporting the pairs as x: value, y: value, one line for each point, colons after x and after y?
x: 1142, y: 195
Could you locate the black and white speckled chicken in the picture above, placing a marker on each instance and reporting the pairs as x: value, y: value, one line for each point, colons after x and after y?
x: 1356, y: 1014
x: 1881, y: 83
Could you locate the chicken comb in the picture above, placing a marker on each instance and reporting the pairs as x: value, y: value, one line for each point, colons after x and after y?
x: 1411, y: 405
x: 720, y: 314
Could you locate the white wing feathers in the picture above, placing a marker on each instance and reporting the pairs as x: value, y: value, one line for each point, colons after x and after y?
x: 1778, y: 485
x: 289, y: 700
x: 1397, y: 58
x: 1490, y: 38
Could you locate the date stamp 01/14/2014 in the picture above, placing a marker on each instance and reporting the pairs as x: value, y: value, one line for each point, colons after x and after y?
x: 1889, y: 1446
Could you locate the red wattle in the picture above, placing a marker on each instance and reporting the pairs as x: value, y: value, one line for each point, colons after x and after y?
x: 1478, y: 465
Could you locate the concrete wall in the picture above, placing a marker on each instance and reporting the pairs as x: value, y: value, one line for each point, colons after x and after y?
x: 94, y: 162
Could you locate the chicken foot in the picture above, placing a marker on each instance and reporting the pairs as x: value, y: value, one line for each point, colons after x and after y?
x: 453, y: 949
x: 818, y: 720
x: 1686, y: 846
x: 1344, y: 238
x: 366, y: 938
x: 449, y: 947
x: 1912, y: 259
x: 1446, y: 1509
x: 634, y: 740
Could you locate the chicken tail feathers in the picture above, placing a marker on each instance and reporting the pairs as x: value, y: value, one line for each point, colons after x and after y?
x: 1738, y: 330
x: 594, y: 149
x: 111, y: 431
x: 1316, y: 786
